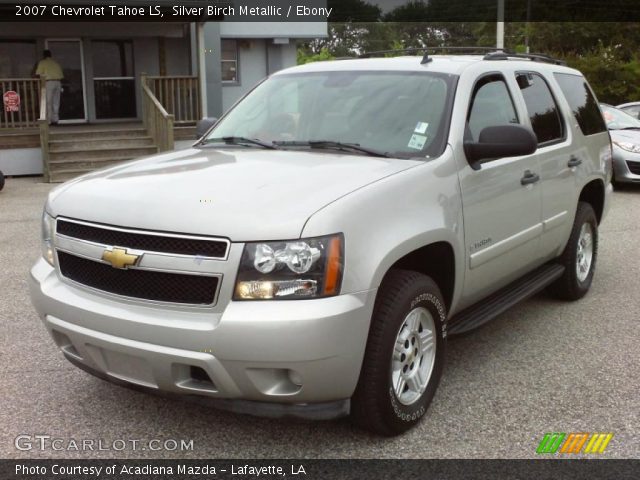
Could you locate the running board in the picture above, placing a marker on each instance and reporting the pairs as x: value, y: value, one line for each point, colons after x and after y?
x: 486, y: 310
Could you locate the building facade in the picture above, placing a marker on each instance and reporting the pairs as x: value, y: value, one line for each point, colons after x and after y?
x: 193, y: 70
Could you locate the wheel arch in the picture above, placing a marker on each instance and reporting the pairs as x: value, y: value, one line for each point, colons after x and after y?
x: 593, y: 193
x: 436, y: 260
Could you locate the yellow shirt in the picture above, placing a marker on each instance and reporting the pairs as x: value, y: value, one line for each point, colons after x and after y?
x: 49, y: 69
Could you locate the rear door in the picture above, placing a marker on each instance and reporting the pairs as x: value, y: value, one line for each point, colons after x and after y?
x: 558, y: 156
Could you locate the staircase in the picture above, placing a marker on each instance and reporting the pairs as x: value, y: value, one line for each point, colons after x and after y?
x: 75, y: 150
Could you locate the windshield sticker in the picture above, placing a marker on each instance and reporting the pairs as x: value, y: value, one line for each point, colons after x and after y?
x: 417, y: 141
x: 421, y: 127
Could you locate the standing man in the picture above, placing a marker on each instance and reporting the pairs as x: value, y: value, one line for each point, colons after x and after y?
x: 51, y: 72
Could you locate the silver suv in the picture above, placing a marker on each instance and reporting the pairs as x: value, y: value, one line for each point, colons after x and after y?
x: 311, y: 253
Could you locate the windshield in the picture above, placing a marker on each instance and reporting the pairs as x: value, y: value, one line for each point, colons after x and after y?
x: 403, y: 114
x: 617, y: 119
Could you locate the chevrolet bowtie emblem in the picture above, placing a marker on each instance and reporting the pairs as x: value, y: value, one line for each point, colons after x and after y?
x: 119, y: 258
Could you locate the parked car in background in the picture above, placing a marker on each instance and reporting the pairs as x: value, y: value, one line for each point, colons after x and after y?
x: 632, y: 108
x: 625, y: 140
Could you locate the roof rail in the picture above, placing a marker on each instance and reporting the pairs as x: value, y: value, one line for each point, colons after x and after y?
x: 536, y: 57
x: 426, y: 50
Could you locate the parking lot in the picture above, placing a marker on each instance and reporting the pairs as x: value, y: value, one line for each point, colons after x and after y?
x: 544, y: 366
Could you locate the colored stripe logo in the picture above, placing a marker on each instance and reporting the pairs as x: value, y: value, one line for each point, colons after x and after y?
x: 574, y: 443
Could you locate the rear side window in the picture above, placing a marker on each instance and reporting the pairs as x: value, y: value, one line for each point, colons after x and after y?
x: 582, y: 102
x: 541, y: 106
x: 491, y: 105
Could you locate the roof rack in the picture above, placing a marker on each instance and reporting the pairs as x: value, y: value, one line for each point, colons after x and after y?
x: 426, y: 50
x: 536, y: 57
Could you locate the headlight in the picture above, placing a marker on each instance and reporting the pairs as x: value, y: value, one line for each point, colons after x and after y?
x: 48, y: 223
x: 629, y: 147
x: 296, y: 269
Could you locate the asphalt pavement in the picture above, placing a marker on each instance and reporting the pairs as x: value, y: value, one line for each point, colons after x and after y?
x: 544, y: 366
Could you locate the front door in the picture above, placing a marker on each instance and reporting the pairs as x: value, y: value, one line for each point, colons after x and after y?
x: 73, y: 102
x: 502, y: 207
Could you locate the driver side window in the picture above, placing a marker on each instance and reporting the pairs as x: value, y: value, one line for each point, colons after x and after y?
x: 491, y: 105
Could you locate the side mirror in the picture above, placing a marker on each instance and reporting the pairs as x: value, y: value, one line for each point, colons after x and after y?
x: 204, y: 125
x: 509, y: 140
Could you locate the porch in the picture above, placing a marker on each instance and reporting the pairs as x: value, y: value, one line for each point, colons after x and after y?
x: 170, y: 105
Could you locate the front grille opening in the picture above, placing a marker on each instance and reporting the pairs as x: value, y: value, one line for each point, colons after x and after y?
x: 142, y: 284
x: 200, y: 380
x: 200, y: 375
x: 143, y: 240
x: 634, y: 167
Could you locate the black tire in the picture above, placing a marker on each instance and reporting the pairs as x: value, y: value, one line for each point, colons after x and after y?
x: 375, y: 405
x: 1, y: 180
x: 569, y: 286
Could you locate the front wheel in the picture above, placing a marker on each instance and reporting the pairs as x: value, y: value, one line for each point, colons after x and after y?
x: 579, y: 256
x: 404, y: 357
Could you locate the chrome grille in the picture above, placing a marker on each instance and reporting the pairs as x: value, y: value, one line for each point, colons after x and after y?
x: 143, y: 240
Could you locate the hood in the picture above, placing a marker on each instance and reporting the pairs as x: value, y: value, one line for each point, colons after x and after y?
x: 242, y: 194
x: 631, y: 136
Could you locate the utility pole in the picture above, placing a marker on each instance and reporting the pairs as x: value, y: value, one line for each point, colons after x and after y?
x: 526, y: 37
x: 500, y: 25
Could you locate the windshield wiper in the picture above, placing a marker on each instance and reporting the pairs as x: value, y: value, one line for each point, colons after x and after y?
x: 629, y: 128
x: 347, y: 147
x: 240, y: 141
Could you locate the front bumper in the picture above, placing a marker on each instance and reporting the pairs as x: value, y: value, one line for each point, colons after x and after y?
x: 287, y: 352
x: 626, y: 166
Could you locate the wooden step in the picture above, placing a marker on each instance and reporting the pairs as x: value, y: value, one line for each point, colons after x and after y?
x: 97, y: 132
x: 95, y: 143
x: 104, y: 153
x: 89, y: 164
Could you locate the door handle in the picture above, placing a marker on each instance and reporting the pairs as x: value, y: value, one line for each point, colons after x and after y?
x: 529, y: 178
x: 574, y: 162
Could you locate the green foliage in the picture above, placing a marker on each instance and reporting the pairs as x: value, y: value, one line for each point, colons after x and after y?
x: 305, y: 56
x: 614, y: 79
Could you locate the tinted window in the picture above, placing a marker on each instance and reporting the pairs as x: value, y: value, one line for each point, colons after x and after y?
x: 582, y: 102
x: 542, y: 108
x: 491, y: 105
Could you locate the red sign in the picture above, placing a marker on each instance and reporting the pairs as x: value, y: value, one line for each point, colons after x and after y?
x: 11, y: 101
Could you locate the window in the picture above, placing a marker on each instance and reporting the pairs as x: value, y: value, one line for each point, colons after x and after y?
x: 18, y: 58
x: 491, y: 105
x: 543, y: 110
x: 403, y: 113
x: 112, y: 58
x: 230, y: 61
x: 582, y: 102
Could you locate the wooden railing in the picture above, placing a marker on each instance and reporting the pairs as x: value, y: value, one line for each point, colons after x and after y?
x: 157, y: 121
x: 43, y: 124
x: 27, y: 114
x: 179, y: 95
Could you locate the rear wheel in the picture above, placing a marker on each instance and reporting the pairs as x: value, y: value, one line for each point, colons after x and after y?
x: 579, y: 256
x: 1, y: 180
x: 404, y: 357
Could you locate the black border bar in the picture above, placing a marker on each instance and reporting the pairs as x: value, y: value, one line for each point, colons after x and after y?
x: 543, y: 469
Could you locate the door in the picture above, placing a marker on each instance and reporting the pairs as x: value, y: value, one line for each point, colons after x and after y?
x: 73, y: 102
x: 502, y: 206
